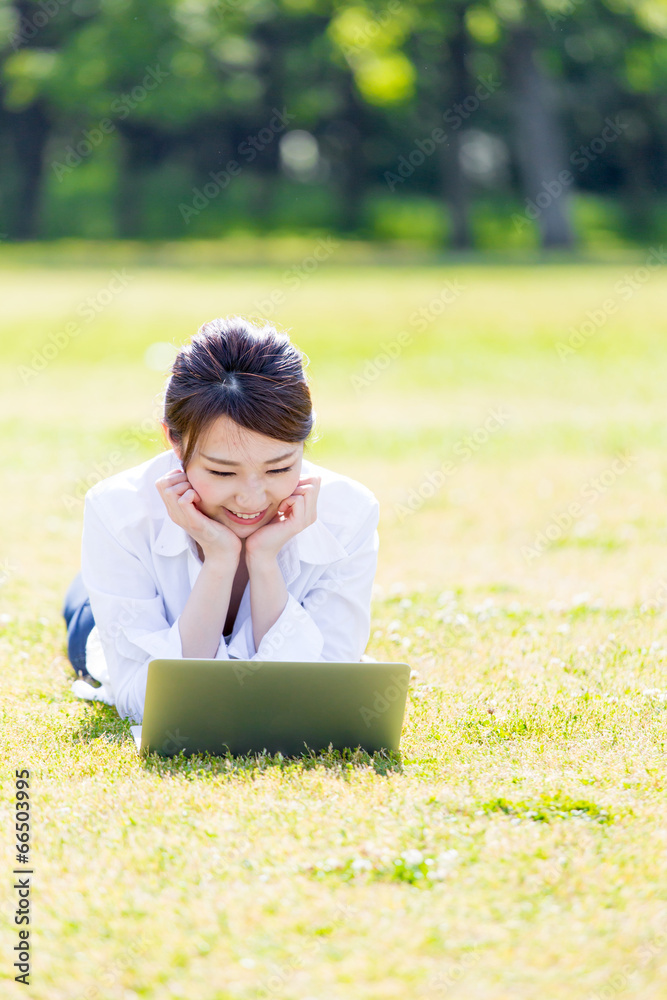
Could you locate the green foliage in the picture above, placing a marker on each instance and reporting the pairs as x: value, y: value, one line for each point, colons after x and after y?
x: 182, y: 86
x: 548, y: 808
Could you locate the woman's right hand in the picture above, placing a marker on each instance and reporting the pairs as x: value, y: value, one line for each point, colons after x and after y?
x: 179, y: 497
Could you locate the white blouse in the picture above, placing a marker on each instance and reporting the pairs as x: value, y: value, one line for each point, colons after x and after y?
x: 139, y: 567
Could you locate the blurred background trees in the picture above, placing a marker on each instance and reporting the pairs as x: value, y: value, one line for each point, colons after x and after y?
x: 489, y: 124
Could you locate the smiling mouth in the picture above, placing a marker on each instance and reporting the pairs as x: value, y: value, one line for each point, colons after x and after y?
x: 242, y: 517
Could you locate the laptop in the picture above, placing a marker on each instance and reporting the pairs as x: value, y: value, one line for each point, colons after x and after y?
x: 255, y: 706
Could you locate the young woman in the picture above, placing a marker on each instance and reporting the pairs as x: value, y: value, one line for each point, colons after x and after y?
x: 231, y: 544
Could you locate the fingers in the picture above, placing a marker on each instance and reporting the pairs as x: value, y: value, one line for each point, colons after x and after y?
x: 175, y: 488
x: 170, y: 479
x: 300, y: 507
x: 310, y: 480
x: 174, y: 482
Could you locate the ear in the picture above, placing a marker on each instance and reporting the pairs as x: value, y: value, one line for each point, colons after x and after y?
x: 168, y: 439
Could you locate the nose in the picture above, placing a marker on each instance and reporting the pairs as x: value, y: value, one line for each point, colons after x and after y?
x: 251, y: 501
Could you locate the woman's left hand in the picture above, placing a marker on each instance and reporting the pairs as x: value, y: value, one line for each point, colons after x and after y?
x: 294, y: 514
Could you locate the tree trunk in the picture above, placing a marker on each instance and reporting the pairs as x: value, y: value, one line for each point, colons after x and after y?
x: 455, y: 186
x: 538, y: 140
x: 30, y: 131
x: 273, y: 39
x: 143, y: 148
x: 353, y: 172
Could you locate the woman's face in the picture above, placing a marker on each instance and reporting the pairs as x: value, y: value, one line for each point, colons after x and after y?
x: 266, y: 472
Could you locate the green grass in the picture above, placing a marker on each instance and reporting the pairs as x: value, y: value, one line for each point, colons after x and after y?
x: 516, y: 846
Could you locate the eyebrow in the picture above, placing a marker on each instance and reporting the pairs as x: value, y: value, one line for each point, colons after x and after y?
x: 227, y: 461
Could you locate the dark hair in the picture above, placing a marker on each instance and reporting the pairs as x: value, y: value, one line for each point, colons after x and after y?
x: 253, y: 375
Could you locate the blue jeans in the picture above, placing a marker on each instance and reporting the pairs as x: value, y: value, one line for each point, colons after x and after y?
x: 79, y: 620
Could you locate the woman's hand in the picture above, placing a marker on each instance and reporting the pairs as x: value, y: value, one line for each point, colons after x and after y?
x: 294, y: 514
x: 216, y: 540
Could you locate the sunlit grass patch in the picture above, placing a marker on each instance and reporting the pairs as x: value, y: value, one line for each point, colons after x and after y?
x: 548, y: 808
x: 516, y: 843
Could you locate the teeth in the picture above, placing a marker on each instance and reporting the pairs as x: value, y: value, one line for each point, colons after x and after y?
x: 247, y: 517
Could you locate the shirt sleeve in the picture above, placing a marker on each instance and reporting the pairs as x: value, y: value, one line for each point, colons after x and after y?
x: 128, y: 610
x: 332, y: 622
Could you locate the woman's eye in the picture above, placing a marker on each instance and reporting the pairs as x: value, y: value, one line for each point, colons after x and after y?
x: 216, y: 472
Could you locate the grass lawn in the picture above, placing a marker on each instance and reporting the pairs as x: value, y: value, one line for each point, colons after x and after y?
x: 511, y: 420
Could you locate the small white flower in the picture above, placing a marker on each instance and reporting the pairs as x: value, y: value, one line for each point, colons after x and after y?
x: 413, y: 857
x: 448, y: 857
x: 405, y: 602
x: 654, y: 693
x: 361, y: 864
